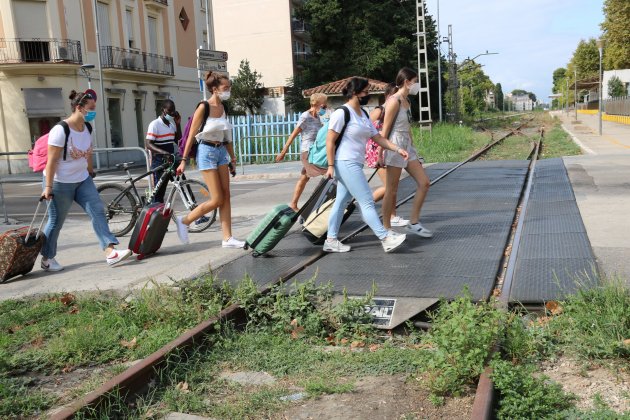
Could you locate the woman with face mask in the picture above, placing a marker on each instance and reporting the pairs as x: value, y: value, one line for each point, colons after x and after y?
x: 308, y: 125
x: 214, y: 152
x: 398, y: 123
x: 345, y: 162
x: 70, y: 180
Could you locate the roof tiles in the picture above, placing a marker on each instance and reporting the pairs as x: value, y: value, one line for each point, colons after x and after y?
x: 335, y: 88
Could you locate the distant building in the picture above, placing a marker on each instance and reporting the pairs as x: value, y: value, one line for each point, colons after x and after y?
x: 520, y: 102
x: 267, y: 34
x: 623, y: 75
x: 147, y: 53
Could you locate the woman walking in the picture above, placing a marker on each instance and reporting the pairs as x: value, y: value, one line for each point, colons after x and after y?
x: 68, y: 178
x: 308, y: 125
x: 374, y: 153
x: 346, y: 163
x: 214, y: 152
x: 397, y: 121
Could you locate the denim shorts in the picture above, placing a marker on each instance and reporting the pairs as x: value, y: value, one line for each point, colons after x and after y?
x: 209, y: 157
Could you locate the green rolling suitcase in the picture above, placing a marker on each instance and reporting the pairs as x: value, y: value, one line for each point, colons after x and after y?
x: 276, y: 224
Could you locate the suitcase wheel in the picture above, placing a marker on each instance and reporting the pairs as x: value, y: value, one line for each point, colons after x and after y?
x: 256, y: 254
x: 140, y: 257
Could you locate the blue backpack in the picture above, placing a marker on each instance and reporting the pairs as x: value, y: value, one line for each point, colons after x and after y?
x: 317, y: 152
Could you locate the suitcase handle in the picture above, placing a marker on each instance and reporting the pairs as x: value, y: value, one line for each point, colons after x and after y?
x: 333, y: 201
x: 30, y: 227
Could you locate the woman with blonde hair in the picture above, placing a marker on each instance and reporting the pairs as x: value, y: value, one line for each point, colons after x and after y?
x: 308, y: 125
x: 214, y: 152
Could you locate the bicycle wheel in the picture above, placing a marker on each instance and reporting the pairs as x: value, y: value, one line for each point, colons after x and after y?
x: 189, y: 194
x: 121, y: 208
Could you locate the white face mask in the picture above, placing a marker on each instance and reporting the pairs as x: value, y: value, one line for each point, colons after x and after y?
x: 225, y: 95
x: 414, y: 89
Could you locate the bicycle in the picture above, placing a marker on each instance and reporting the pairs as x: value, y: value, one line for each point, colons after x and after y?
x: 124, y: 204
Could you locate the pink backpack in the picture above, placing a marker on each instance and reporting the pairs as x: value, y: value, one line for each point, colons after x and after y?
x: 38, y: 157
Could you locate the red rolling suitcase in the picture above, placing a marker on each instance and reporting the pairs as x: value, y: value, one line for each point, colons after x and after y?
x: 19, y: 248
x: 151, y: 226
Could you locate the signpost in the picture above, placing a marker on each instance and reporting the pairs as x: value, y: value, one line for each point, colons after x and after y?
x: 210, y: 60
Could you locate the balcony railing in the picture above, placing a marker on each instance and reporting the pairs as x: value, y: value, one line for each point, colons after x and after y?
x: 119, y: 58
x: 159, y: 2
x: 301, y: 56
x: 300, y: 26
x: 38, y: 50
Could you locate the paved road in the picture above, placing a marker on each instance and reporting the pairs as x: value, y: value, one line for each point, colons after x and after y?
x: 601, y: 181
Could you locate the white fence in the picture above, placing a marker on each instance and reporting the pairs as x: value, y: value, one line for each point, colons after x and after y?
x: 259, y: 138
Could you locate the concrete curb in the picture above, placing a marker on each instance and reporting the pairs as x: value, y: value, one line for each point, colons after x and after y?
x: 577, y: 141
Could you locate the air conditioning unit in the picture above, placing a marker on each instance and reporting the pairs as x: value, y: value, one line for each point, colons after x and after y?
x: 63, y: 53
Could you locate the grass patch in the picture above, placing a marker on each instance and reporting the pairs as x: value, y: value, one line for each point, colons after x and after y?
x: 558, y: 143
x: 513, y: 147
x: 447, y: 142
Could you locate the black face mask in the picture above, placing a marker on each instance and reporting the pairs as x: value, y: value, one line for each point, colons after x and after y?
x: 364, y: 100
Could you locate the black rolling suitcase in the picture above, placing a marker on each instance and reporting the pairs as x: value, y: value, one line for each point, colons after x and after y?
x: 315, y: 227
x: 276, y: 224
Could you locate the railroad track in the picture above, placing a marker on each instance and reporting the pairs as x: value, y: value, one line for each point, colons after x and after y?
x: 134, y: 380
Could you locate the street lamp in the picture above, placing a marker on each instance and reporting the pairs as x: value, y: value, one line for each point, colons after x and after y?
x: 600, y: 47
x: 85, y: 69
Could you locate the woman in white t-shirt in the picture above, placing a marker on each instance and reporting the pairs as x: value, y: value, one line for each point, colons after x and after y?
x: 308, y: 125
x: 346, y: 163
x: 68, y: 178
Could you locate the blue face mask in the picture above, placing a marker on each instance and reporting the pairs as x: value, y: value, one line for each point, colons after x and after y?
x: 89, y: 117
x: 322, y: 111
x: 170, y: 119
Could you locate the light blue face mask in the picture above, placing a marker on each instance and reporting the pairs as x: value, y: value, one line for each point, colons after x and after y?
x: 170, y: 119
x: 322, y: 111
x: 90, y: 116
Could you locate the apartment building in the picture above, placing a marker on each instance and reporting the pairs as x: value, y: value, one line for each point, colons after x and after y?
x: 269, y: 36
x: 147, y: 50
x: 520, y: 102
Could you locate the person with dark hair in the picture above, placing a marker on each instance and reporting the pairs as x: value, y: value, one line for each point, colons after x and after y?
x: 68, y: 178
x: 345, y: 161
x: 308, y: 125
x: 398, y: 122
x: 214, y: 152
x: 161, y: 141
x: 374, y: 153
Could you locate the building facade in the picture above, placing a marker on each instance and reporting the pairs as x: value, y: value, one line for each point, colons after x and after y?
x: 520, y: 102
x: 269, y: 36
x: 147, y: 51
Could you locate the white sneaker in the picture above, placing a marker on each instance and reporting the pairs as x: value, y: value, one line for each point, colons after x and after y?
x: 232, y: 242
x: 397, y: 221
x: 393, y: 240
x: 117, y: 256
x: 335, y: 246
x: 182, y: 230
x: 50, y: 264
x: 419, y: 230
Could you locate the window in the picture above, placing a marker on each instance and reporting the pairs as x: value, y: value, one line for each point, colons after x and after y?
x: 153, y: 35
x: 103, y: 24
x: 204, y: 40
x: 130, y: 31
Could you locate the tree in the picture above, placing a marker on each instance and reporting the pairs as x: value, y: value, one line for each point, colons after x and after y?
x: 616, y: 27
x: 498, y: 95
x: 585, y: 59
x: 519, y: 92
x: 616, y: 87
x: 247, y: 91
x: 365, y: 38
x: 293, y: 94
x: 558, y: 79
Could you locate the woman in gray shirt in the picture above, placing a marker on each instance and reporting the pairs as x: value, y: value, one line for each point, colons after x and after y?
x: 308, y: 125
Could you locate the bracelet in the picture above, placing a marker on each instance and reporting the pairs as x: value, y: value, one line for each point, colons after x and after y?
x: 48, y: 186
x: 330, y: 165
x: 185, y: 159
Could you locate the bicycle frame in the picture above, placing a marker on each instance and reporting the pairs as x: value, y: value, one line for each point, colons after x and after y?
x: 167, y: 167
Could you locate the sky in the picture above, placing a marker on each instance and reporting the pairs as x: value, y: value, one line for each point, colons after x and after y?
x: 532, y: 37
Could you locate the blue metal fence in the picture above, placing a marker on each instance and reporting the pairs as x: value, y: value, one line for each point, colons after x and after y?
x: 259, y: 138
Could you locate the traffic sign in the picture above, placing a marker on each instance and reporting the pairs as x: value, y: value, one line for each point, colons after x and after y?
x: 220, y: 66
x: 211, y: 55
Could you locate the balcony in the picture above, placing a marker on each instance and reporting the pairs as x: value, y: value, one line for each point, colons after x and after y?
x: 301, y: 57
x: 299, y: 26
x: 156, y: 3
x: 38, y: 50
x: 136, y: 61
